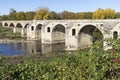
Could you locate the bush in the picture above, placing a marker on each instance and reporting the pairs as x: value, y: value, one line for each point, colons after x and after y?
x: 7, y: 33
x: 91, y: 64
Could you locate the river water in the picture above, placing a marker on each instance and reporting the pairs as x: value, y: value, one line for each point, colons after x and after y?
x: 31, y: 47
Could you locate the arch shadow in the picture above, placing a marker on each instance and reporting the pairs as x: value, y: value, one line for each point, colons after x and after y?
x: 58, y: 33
x: 89, y: 34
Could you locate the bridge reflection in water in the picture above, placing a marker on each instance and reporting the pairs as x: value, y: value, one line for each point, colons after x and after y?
x: 31, y: 47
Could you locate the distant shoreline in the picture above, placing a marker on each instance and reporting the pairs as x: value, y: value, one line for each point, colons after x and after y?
x: 13, y: 41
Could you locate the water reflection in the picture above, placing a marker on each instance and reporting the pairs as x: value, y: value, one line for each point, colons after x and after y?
x: 32, y: 47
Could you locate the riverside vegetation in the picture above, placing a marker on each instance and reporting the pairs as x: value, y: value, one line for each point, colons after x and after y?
x: 89, y: 64
x: 6, y: 33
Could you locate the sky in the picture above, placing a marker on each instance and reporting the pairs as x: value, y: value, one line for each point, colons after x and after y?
x: 58, y: 5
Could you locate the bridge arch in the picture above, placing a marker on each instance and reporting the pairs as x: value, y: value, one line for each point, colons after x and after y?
x: 18, y: 27
x: 25, y: 30
x: 26, y: 25
x: 115, y: 35
x: 6, y: 24
x: 38, y: 29
x: 88, y: 34
x: 11, y: 25
x: 58, y: 33
x: 116, y: 31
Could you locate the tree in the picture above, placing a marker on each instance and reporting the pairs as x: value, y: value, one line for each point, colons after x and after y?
x: 79, y: 15
x: 87, y: 15
x: 117, y: 15
x: 42, y: 13
x: 67, y: 15
x: 20, y: 16
x: 110, y: 14
x: 99, y: 14
x: 29, y: 15
x: 12, y: 14
x: 0, y: 18
x: 53, y: 15
x: 4, y: 17
x: 104, y: 14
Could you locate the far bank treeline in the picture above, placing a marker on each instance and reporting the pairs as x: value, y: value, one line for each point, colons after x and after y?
x: 45, y: 13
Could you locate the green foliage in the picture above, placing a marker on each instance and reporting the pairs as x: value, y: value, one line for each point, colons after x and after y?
x: 117, y: 15
x: 12, y: 14
x: 53, y: 15
x: 4, y: 17
x: 29, y: 15
x: 90, y: 64
x: 20, y: 16
x: 8, y: 34
x: 83, y: 15
x: 67, y: 15
x: 44, y: 13
x: 97, y: 35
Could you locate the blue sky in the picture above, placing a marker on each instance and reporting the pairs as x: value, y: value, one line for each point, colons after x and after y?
x: 58, y: 5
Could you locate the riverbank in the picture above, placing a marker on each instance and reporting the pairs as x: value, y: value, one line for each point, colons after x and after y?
x: 31, y: 58
x: 14, y: 40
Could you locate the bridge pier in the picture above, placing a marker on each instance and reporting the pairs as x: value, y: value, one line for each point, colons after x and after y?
x: 46, y: 37
x: 22, y: 32
x: 30, y: 34
x: 14, y: 30
x: 106, y: 45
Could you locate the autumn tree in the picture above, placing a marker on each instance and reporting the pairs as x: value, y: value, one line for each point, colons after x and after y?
x: 99, y: 14
x: 104, y: 14
x: 109, y: 13
x: 42, y: 13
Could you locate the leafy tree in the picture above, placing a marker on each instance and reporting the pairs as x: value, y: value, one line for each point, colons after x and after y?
x: 4, y: 17
x: 42, y: 13
x: 54, y: 15
x: 12, y: 14
x: 0, y: 18
x: 110, y: 14
x: 99, y: 14
x: 20, y: 16
x: 117, y: 15
x: 67, y: 15
x: 79, y: 15
x: 104, y: 14
x: 87, y: 15
x: 29, y: 15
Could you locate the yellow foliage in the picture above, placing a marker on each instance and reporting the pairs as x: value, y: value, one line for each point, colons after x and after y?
x: 41, y: 14
x: 104, y: 14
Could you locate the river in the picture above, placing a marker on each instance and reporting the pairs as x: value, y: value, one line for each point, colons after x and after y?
x: 31, y: 47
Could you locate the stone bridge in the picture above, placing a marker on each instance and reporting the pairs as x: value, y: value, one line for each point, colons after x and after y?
x: 74, y: 33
